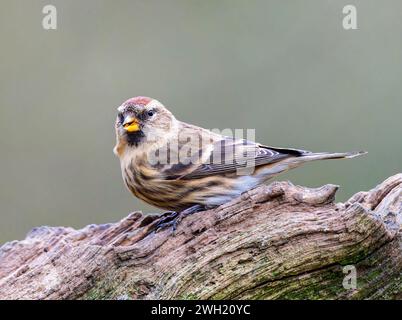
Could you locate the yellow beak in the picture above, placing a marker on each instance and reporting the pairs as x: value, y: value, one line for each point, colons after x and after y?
x: 131, y: 124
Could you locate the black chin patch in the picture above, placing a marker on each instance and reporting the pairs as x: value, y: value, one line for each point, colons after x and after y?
x: 134, y: 138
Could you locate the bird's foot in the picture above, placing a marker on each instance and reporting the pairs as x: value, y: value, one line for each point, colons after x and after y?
x: 167, y: 219
x: 173, y: 218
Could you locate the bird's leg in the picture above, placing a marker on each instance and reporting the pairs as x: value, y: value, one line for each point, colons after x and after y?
x: 166, y: 218
x: 173, y: 218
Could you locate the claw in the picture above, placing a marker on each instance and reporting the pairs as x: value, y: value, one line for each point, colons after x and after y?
x: 167, y: 219
x: 173, y: 218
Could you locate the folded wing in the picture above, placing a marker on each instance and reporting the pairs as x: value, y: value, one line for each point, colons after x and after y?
x: 229, y: 155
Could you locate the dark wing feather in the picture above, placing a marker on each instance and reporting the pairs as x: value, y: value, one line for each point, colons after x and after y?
x: 229, y: 155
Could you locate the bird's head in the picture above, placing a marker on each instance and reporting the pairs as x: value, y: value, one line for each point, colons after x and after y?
x: 142, y: 119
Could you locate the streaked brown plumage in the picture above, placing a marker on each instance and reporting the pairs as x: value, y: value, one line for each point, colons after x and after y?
x: 145, y: 130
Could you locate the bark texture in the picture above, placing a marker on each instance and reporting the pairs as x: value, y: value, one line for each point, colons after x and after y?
x: 275, y: 242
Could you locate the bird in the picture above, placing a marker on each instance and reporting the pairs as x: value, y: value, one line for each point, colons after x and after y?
x: 184, y: 168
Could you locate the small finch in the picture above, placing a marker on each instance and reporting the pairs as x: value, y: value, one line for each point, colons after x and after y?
x: 184, y: 168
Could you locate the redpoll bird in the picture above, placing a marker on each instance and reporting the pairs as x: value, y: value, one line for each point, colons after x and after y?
x: 181, y: 167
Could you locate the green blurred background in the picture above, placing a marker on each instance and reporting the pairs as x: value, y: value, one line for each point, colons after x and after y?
x: 286, y: 68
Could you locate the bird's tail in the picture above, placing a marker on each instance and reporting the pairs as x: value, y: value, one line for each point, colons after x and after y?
x: 302, y: 158
x: 307, y: 156
x: 311, y: 156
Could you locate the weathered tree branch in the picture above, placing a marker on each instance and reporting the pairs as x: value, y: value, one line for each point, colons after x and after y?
x: 276, y: 241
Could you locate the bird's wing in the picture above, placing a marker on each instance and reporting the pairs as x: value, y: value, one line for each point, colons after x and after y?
x: 228, y: 155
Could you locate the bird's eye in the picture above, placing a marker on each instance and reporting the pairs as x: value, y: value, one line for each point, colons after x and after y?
x: 150, y: 113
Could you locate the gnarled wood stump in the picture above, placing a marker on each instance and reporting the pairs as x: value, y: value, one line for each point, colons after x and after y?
x: 277, y: 241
